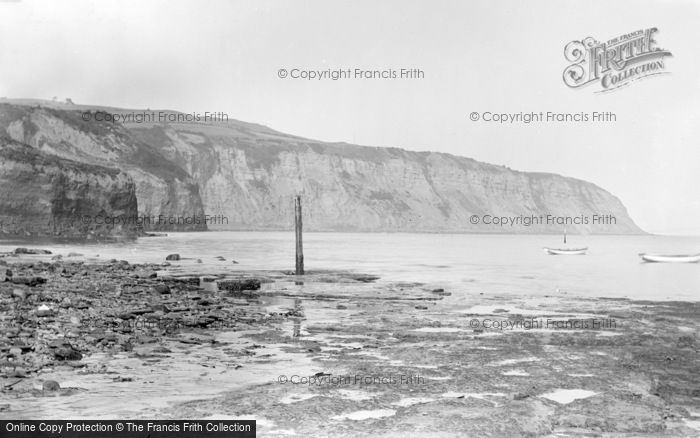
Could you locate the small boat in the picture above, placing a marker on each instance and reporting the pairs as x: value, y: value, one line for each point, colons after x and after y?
x: 673, y: 258
x: 566, y: 251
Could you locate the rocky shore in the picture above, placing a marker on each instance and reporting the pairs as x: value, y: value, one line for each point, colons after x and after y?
x: 57, y: 310
x: 336, y: 354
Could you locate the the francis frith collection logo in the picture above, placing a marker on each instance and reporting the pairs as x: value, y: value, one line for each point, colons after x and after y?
x: 614, y: 63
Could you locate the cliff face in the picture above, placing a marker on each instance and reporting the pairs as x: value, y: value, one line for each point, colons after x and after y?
x: 42, y: 195
x: 249, y: 174
x: 163, y: 189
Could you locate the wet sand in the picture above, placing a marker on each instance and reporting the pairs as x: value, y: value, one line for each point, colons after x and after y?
x: 338, y: 354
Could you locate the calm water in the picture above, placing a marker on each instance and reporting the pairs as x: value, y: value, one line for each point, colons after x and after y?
x: 462, y: 262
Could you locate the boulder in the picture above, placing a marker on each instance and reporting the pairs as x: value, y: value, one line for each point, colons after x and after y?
x: 18, y: 372
x: 29, y: 281
x: 162, y: 289
x: 66, y: 352
x: 173, y: 257
x: 239, y: 284
x: 50, y: 385
x: 31, y: 251
x: 19, y: 293
x: 44, y: 310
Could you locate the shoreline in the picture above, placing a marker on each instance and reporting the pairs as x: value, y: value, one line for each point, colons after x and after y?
x: 329, y: 330
x: 47, y: 239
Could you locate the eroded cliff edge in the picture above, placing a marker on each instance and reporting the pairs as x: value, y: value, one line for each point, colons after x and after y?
x: 45, y: 196
x: 165, y: 192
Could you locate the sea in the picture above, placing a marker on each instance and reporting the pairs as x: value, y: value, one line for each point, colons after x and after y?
x: 462, y: 263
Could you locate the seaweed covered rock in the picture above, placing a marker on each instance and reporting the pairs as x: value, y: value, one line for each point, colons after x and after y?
x: 238, y: 285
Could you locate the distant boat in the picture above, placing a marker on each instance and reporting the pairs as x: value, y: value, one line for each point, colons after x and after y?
x: 566, y: 251
x: 672, y: 258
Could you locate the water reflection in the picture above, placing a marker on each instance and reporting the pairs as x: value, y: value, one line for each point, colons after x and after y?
x: 298, y: 310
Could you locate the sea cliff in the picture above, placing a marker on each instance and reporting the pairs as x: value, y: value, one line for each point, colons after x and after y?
x: 248, y: 174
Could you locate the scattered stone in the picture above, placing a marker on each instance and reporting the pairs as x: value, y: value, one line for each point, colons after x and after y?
x: 93, y: 305
x: 199, y: 260
x: 18, y: 372
x: 50, y: 386
x: 31, y: 251
x: 126, y: 316
x: 67, y: 354
x: 500, y: 311
x: 422, y: 307
x: 63, y: 350
x: 74, y: 254
x: 123, y: 379
x: 341, y: 307
x: 4, y: 407
x: 19, y: 293
x: 160, y: 308
x: 234, y: 262
x: 194, y: 281
x: 239, y: 284
x: 162, y: 289
x: 29, y: 281
x: 57, y: 257
x: 173, y: 257
x: 363, y: 278
x: 44, y: 310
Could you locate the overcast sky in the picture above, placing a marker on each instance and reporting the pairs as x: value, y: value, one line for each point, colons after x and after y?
x: 505, y: 56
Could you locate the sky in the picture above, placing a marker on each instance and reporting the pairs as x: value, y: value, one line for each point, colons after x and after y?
x: 502, y: 56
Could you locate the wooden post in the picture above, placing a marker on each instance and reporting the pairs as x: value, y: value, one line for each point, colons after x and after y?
x: 297, y: 227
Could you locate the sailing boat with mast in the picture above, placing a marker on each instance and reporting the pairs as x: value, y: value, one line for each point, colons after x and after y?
x: 565, y: 251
